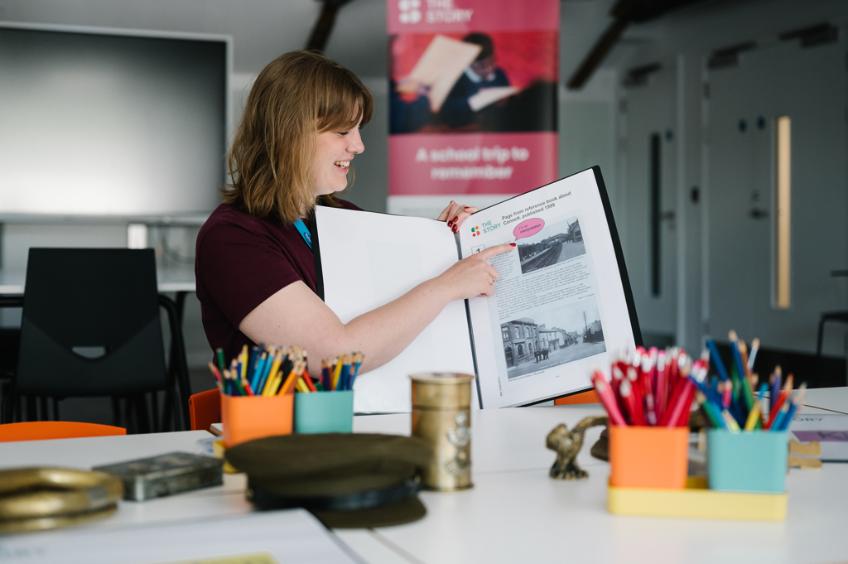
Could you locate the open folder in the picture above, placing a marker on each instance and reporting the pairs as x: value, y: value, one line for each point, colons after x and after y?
x: 562, y: 307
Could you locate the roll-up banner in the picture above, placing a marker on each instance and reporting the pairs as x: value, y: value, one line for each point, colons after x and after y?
x: 473, y: 101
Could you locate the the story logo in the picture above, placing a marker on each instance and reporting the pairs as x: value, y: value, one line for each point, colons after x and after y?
x: 487, y: 226
x: 432, y: 11
x: 409, y: 11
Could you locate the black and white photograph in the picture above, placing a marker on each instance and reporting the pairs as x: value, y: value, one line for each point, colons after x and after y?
x: 552, y: 337
x: 552, y: 245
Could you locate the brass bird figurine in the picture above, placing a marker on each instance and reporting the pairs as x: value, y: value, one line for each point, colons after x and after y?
x: 567, y: 445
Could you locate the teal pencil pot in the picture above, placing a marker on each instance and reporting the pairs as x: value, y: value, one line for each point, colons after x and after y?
x: 751, y: 461
x: 323, y: 412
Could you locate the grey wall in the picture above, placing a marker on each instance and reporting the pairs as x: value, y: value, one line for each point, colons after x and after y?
x: 724, y: 258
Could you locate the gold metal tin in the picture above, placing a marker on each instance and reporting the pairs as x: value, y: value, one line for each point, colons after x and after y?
x: 40, y: 498
x: 441, y: 415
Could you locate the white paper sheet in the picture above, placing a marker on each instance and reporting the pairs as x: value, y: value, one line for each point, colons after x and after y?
x: 440, y: 66
x: 369, y: 259
x: 491, y: 95
x: 292, y: 536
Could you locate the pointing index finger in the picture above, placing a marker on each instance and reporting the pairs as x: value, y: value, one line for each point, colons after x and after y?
x: 496, y: 250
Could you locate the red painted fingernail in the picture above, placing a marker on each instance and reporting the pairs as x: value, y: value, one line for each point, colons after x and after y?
x: 512, y: 244
x: 455, y: 228
x: 450, y: 223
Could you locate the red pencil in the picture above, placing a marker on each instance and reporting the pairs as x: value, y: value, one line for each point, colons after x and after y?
x: 217, y: 375
x: 662, y: 398
x: 607, y: 398
x: 678, y: 414
x: 633, y: 403
x: 676, y: 397
x: 775, y: 408
x: 308, y: 380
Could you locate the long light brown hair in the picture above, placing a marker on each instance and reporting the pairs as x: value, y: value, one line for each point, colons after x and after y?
x: 296, y: 96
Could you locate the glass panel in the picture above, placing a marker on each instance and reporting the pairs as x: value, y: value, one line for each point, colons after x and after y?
x: 783, y: 199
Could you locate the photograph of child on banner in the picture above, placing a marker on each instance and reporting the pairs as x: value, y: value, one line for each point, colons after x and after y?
x: 475, y: 82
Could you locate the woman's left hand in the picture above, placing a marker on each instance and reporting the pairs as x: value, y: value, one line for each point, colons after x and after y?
x: 454, y: 214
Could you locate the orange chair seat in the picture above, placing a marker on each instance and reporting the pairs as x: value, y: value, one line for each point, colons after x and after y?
x: 43, y: 430
x: 589, y: 396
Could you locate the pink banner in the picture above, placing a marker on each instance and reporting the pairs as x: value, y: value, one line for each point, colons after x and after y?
x: 473, y: 96
x: 493, y: 163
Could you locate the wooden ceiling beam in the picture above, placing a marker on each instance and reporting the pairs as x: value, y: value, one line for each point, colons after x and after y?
x: 324, y: 24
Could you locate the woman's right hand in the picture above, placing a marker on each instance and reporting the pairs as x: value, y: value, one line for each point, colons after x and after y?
x: 473, y: 276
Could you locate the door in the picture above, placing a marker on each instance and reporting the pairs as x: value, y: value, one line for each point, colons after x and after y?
x: 649, y: 175
x: 807, y: 85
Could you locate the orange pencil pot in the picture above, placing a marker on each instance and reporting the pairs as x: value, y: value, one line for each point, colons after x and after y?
x: 648, y: 457
x: 252, y: 417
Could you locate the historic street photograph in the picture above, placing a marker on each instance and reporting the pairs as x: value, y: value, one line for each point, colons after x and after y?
x: 553, y: 244
x: 552, y: 337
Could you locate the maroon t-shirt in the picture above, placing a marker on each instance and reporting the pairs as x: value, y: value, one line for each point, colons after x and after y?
x: 240, y: 261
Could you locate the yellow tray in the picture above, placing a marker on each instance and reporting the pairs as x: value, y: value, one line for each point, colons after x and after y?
x: 698, y: 502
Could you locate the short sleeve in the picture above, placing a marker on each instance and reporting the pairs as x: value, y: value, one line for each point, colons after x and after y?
x: 238, y: 268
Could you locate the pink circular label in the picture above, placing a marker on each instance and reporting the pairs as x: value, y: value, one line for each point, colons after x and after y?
x: 528, y: 227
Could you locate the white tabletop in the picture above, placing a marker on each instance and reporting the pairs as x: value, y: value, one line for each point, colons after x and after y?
x: 830, y: 399
x: 514, y: 512
x: 171, y: 278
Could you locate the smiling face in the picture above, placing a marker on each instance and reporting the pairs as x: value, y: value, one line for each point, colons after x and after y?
x: 334, y: 152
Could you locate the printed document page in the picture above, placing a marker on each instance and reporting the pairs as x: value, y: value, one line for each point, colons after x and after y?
x: 369, y: 259
x: 559, y: 310
x: 292, y: 536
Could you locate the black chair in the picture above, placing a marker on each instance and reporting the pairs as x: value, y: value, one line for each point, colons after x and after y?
x: 91, y: 327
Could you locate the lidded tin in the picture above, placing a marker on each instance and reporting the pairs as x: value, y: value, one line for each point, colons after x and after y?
x: 441, y: 415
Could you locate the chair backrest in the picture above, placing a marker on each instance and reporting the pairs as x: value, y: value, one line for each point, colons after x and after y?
x: 90, y: 324
x: 41, y: 430
x: 204, y: 408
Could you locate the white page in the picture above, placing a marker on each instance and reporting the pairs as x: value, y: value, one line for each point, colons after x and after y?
x: 576, y: 292
x: 292, y: 536
x: 440, y: 66
x: 490, y: 95
x: 369, y: 259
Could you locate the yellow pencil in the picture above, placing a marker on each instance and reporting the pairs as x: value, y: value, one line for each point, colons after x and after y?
x: 753, y: 417
x: 269, y: 386
x: 243, y: 359
x: 275, y: 365
x: 277, y: 383
x: 337, y: 372
x: 301, y: 386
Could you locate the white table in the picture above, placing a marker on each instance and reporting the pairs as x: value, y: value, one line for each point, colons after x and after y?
x: 172, y: 278
x: 829, y: 399
x: 514, y: 512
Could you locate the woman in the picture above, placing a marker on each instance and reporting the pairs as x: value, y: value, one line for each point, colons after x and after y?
x: 255, y: 271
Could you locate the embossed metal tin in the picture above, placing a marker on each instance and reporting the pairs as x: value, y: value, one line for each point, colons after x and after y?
x: 441, y: 415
